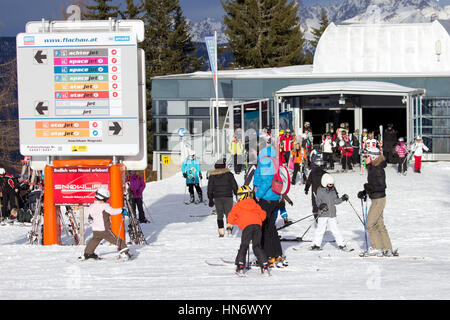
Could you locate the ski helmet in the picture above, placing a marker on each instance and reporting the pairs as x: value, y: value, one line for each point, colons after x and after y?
x: 401, y: 139
x: 2, y: 171
x: 244, y: 192
x: 102, y: 194
x: 326, y: 180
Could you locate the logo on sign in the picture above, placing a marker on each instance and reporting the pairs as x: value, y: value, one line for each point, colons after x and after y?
x: 122, y: 38
x: 28, y: 40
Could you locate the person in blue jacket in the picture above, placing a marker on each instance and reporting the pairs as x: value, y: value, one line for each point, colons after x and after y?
x: 192, y: 173
x: 269, y: 202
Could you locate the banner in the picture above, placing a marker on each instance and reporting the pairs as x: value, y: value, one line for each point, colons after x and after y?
x: 211, y: 47
x: 77, y: 185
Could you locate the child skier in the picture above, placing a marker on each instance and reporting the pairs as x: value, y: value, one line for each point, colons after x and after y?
x: 282, y: 209
x: 326, y: 200
x: 193, y: 174
x: 248, y: 215
x: 99, y: 214
x: 402, y: 151
x: 328, y: 146
x: 418, y: 148
x: 299, y: 156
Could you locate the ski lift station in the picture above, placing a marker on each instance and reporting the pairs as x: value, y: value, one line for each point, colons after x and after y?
x: 363, y: 75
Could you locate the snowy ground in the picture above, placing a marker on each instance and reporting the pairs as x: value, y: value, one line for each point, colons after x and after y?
x: 172, y: 265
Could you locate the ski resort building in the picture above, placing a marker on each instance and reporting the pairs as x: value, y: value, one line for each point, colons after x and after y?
x: 362, y: 75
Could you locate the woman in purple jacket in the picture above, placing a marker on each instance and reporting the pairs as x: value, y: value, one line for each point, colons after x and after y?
x: 137, y: 186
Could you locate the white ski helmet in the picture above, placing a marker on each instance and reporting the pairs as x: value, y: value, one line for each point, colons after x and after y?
x: 102, y: 194
x: 326, y: 180
x: 2, y: 171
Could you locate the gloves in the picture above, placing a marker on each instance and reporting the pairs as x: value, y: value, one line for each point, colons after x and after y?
x: 125, y: 212
x: 184, y: 174
x: 323, y: 207
x: 344, y: 197
x: 306, y: 191
x: 211, y: 203
x: 368, y: 187
x: 362, y: 195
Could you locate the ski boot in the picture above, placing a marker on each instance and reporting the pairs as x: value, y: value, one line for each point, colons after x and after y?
x: 221, y: 232
x: 287, y: 222
x: 281, y: 262
x: 229, y: 229
x: 372, y: 253
x: 124, y: 254
x: 87, y: 256
x: 192, y: 199
x: 240, y: 269
x: 345, y: 248
x: 272, y: 262
x: 315, y: 248
x: 390, y: 253
x: 265, y: 269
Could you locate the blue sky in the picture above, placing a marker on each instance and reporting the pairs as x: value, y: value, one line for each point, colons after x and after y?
x: 14, y: 14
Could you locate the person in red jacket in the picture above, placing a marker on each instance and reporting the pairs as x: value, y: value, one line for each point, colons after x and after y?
x: 248, y: 216
x: 347, y: 152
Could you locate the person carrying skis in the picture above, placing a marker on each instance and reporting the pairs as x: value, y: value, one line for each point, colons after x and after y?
x: 249, y: 217
x: 269, y: 201
x: 418, y: 147
x: 193, y: 174
x: 221, y: 187
x: 137, y: 186
x: 98, y: 214
x: 326, y: 200
x: 375, y: 188
x: 402, y: 151
x: 371, y: 142
x: 313, y: 182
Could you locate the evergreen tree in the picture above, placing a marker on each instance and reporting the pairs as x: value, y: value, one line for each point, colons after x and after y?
x: 168, y: 47
x: 263, y: 33
x: 317, y: 32
x: 101, y: 10
x: 133, y: 10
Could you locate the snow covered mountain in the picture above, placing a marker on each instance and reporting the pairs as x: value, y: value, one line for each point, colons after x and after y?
x: 346, y: 11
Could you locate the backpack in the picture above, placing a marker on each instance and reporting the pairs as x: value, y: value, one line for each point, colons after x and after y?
x: 281, y: 182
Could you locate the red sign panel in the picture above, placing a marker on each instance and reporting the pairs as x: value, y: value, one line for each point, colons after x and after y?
x: 77, y: 185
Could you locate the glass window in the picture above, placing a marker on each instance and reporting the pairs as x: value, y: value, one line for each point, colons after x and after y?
x: 198, y: 125
x: 200, y: 112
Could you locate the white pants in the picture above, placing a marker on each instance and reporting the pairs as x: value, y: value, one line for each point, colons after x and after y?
x: 331, y: 224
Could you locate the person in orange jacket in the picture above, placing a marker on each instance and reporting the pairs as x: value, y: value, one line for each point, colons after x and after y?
x: 300, y: 156
x: 248, y: 216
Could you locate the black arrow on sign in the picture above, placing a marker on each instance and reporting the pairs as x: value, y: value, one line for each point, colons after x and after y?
x: 40, y: 108
x: 116, y: 128
x: 39, y: 56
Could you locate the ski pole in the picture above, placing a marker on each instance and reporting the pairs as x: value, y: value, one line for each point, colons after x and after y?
x: 287, y: 225
x: 355, y: 212
x: 365, y: 225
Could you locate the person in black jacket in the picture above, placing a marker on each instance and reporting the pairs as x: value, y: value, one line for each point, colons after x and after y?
x: 375, y: 188
x: 313, y: 181
x: 221, y: 187
x: 389, y: 141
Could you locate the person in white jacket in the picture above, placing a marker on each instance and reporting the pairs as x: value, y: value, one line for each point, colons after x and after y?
x: 99, y: 214
x: 328, y: 146
x: 418, y: 147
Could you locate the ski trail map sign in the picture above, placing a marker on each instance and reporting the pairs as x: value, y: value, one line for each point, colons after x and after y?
x: 78, y: 94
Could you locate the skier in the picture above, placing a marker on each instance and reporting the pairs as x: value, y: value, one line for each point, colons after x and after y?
x: 287, y: 144
x: 269, y: 201
x: 99, y: 214
x: 313, y: 182
x: 371, y: 142
x: 235, y: 148
x: 346, y: 153
x: 328, y: 146
x: 221, y: 187
x: 193, y: 174
x: 9, y: 190
x: 418, y: 148
x: 137, y: 186
x: 354, y: 139
x: 282, y: 209
x: 389, y: 141
x: 299, y: 155
x: 402, y: 151
x: 326, y: 200
x: 375, y: 189
x: 249, y: 217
